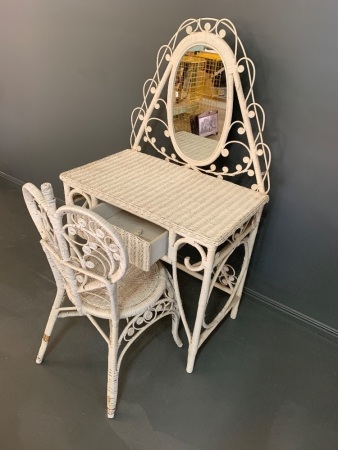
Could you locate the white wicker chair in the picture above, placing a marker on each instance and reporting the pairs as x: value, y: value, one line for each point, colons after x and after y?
x: 90, y: 266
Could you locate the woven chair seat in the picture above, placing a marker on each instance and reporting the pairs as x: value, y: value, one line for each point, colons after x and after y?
x: 136, y: 292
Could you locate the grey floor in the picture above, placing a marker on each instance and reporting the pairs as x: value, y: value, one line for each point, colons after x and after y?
x: 263, y: 381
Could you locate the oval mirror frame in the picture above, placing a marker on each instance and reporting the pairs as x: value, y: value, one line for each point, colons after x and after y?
x: 228, y: 59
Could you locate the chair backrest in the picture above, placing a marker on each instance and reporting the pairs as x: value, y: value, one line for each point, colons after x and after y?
x: 82, y: 246
x: 41, y: 205
x: 203, y: 85
x: 89, y: 243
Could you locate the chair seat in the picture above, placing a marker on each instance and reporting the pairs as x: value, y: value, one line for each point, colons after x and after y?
x: 136, y: 292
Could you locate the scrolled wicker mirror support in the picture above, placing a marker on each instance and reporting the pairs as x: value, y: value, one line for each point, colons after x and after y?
x: 240, y: 149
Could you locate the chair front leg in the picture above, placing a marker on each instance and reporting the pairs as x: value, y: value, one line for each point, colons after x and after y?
x: 175, y: 315
x: 174, y: 328
x: 113, y: 370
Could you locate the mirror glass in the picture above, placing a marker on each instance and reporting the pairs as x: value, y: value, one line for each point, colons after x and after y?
x: 199, y: 102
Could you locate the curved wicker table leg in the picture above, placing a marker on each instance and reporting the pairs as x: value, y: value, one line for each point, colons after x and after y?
x: 202, y: 305
x: 249, y: 248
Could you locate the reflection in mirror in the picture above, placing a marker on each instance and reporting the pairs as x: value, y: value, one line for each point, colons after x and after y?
x: 199, y: 101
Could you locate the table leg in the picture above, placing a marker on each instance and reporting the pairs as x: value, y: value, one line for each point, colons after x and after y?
x: 247, y: 257
x: 206, y: 265
x: 202, y: 305
x: 68, y: 200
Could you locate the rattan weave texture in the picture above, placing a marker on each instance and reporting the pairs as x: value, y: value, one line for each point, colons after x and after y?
x: 136, y: 292
x: 90, y: 265
x: 202, y: 207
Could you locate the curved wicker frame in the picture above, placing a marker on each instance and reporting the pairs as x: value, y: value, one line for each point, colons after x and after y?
x: 90, y: 265
x: 240, y: 156
x: 245, y: 153
x: 217, y: 218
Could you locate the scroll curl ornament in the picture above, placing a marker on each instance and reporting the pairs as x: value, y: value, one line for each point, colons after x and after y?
x: 195, y: 267
x: 255, y: 162
x: 141, y: 322
x: 92, y: 248
x: 74, y: 196
x: 227, y: 277
x: 248, y: 226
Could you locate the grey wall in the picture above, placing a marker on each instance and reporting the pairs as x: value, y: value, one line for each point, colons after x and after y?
x: 72, y: 71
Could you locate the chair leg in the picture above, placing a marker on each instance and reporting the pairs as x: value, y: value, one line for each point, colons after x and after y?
x: 175, y: 315
x: 50, y: 324
x: 174, y: 329
x: 113, y: 371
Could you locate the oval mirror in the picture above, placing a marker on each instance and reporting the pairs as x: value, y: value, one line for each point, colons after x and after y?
x: 199, y: 102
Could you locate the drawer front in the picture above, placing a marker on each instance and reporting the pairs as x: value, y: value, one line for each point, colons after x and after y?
x: 146, y: 242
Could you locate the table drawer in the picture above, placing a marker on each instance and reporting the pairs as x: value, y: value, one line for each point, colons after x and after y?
x: 146, y: 242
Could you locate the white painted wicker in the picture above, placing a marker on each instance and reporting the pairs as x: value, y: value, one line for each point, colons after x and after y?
x: 241, y: 156
x: 145, y: 241
x: 215, y: 214
x: 240, y: 150
x: 90, y: 265
x: 201, y: 207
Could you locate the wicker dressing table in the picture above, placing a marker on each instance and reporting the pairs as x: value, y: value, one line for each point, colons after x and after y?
x: 188, y: 201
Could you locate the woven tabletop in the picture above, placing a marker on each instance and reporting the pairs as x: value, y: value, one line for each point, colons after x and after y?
x: 192, y: 204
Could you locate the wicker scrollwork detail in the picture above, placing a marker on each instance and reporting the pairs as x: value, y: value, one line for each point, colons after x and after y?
x: 79, y: 197
x: 93, y: 249
x: 141, y: 322
x: 243, y: 230
x: 227, y: 277
x: 244, y: 152
x: 196, y: 266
